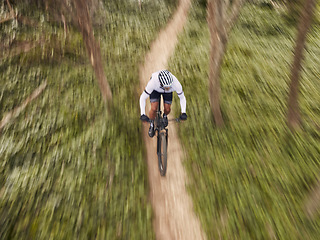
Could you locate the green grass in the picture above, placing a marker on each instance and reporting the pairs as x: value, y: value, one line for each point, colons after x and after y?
x: 250, y: 179
x: 69, y: 170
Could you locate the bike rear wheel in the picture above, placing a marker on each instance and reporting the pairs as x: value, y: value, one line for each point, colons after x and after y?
x: 162, y: 153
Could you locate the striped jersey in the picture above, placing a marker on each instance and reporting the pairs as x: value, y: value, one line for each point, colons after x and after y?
x: 154, y: 84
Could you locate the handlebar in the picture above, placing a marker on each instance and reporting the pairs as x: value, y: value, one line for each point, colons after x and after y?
x: 169, y: 120
x: 174, y: 120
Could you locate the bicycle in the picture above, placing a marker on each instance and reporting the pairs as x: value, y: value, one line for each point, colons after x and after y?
x: 162, y: 139
x: 160, y: 128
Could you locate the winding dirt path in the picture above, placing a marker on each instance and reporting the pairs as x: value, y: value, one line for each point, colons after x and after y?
x: 174, y: 216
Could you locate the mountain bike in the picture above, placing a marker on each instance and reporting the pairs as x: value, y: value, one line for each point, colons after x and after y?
x: 162, y: 139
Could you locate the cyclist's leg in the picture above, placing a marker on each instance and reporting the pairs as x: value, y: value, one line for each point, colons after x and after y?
x: 167, y: 108
x: 154, y: 100
x: 167, y: 102
x: 153, y: 110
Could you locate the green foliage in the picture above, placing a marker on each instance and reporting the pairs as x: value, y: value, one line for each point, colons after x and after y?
x: 69, y: 170
x: 250, y: 179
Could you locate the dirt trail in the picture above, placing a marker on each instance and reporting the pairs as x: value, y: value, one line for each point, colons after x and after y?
x: 174, y: 215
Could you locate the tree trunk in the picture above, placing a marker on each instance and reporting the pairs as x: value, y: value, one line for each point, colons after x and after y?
x: 16, y: 112
x: 219, y: 26
x: 294, y: 117
x: 92, y: 47
x: 216, y: 55
x: 312, y: 203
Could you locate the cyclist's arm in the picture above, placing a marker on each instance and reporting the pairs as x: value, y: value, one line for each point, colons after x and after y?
x: 146, y: 93
x: 183, y: 102
x: 178, y: 88
x: 144, y: 96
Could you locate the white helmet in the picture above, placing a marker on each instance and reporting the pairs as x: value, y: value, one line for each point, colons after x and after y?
x: 165, y: 78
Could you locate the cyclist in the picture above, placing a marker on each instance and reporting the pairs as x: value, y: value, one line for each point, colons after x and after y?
x: 161, y: 83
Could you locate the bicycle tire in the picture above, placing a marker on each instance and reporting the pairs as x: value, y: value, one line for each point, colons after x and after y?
x: 162, y: 153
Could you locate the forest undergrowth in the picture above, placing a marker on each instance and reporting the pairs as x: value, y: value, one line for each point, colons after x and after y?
x: 68, y: 168
x: 71, y: 169
x: 253, y: 178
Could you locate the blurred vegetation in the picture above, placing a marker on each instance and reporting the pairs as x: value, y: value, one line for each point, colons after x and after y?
x: 251, y: 179
x: 68, y: 169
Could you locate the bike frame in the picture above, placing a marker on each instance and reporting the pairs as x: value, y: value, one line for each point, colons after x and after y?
x: 159, y: 125
x: 159, y: 122
x: 162, y: 139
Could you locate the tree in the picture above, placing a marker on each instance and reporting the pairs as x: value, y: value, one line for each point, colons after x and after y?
x: 221, y: 16
x: 11, y: 15
x: 78, y: 13
x: 93, y: 48
x: 294, y: 117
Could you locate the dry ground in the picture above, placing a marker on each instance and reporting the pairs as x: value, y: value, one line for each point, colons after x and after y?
x: 174, y: 216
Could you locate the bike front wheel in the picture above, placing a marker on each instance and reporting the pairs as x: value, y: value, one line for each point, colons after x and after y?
x: 162, y: 153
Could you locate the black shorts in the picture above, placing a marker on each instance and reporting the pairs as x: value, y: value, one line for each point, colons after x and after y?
x: 155, y: 96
